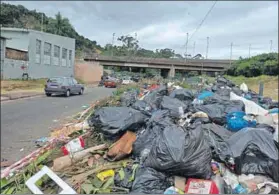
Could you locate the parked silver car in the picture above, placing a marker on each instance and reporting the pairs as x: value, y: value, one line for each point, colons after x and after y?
x: 63, y: 85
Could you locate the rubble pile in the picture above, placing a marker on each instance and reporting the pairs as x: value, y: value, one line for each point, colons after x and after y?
x: 220, y: 139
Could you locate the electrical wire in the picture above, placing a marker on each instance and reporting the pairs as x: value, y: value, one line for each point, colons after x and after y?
x: 198, y: 27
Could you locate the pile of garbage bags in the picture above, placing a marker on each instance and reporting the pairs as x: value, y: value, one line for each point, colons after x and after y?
x: 224, y: 135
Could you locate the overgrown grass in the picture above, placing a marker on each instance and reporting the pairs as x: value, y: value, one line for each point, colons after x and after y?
x: 270, y: 84
x: 20, y: 85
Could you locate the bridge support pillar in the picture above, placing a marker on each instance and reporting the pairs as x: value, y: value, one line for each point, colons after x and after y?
x: 172, y: 71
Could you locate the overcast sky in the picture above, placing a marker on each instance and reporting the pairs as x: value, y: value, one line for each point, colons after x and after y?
x: 163, y: 24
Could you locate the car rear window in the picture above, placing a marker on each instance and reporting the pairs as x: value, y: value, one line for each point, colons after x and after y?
x: 55, y: 80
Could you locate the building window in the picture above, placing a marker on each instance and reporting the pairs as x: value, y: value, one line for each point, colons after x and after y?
x: 70, y: 58
x: 56, y: 56
x: 64, y: 57
x: 38, y: 51
x: 47, y: 53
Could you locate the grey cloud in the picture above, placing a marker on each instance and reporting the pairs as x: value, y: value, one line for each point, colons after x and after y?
x: 241, y: 22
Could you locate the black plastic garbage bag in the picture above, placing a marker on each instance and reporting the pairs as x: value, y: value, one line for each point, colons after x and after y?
x: 224, y: 92
x: 215, y: 112
x: 217, y: 108
x: 144, y: 142
x: 254, y: 152
x: 154, y: 98
x: 181, y: 152
x: 161, y: 118
x: 146, y: 138
x: 150, y: 181
x: 128, y: 98
x: 114, y: 121
x: 176, y: 107
x: 216, y: 137
x: 124, y: 177
x: 237, y: 91
x: 142, y: 106
x: 184, y: 95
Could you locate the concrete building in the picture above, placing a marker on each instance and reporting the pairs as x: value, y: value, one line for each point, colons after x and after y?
x: 48, y: 55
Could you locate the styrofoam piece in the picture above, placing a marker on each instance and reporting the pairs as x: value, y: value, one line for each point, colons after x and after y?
x: 30, y: 183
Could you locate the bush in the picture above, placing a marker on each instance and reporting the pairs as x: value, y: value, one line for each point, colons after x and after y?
x: 261, y: 64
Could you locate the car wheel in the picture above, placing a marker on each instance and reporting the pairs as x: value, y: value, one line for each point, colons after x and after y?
x: 81, y: 92
x: 48, y: 94
x: 67, y: 94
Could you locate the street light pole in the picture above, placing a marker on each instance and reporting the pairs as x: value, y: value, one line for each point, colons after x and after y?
x: 186, y: 47
x: 112, y: 42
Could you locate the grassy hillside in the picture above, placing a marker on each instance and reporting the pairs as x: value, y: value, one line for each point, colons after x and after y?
x: 20, y: 17
x: 270, y: 84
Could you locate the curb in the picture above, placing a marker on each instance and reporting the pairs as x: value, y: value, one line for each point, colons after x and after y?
x: 15, y: 97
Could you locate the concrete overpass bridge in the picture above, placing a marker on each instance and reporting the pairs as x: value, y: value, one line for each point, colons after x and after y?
x: 169, y: 65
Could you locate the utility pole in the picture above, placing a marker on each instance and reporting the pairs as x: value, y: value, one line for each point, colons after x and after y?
x: 249, y: 50
x: 207, y: 45
x: 194, y: 48
x: 186, y: 47
x: 231, y: 54
x: 112, y: 42
x: 270, y: 45
x: 42, y: 22
x: 136, y: 36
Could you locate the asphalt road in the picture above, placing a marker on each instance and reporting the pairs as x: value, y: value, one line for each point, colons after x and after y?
x: 25, y: 120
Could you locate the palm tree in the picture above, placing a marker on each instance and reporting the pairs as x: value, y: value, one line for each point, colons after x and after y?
x: 60, y: 25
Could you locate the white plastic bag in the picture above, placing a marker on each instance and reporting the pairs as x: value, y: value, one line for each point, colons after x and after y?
x: 250, y: 106
x: 244, y: 87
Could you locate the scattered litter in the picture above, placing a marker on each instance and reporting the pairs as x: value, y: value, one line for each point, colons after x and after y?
x: 31, y: 182
x: 151, y: 138
x: 200, y: 186
x: 73, y: 146
x: 173, y: 190
x: 103, y: 175
x: 21, y: 149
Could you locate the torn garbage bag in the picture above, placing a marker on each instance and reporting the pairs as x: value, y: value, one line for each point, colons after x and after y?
x: 150, y: 181
x: 175, y: 106
x: 181, y: 152
x: 114, y: 121
x: 128, y: 98
x: 184, y: 95
x: 254, y: 152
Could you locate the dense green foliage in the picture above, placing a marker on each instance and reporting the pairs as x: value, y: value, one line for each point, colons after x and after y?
x: 263, y: 64
x: 20, y: 17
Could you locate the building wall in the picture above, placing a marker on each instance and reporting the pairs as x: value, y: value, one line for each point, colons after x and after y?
x: 17, y: 39
x: 89, y: 72
x: 50, y: 66
x: 13, y: 68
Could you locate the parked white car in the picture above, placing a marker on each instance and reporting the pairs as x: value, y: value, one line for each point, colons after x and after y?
x: 127, y: 81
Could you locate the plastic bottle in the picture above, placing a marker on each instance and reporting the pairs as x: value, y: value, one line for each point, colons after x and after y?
x: 219, y: 181
x: 232, y: 180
